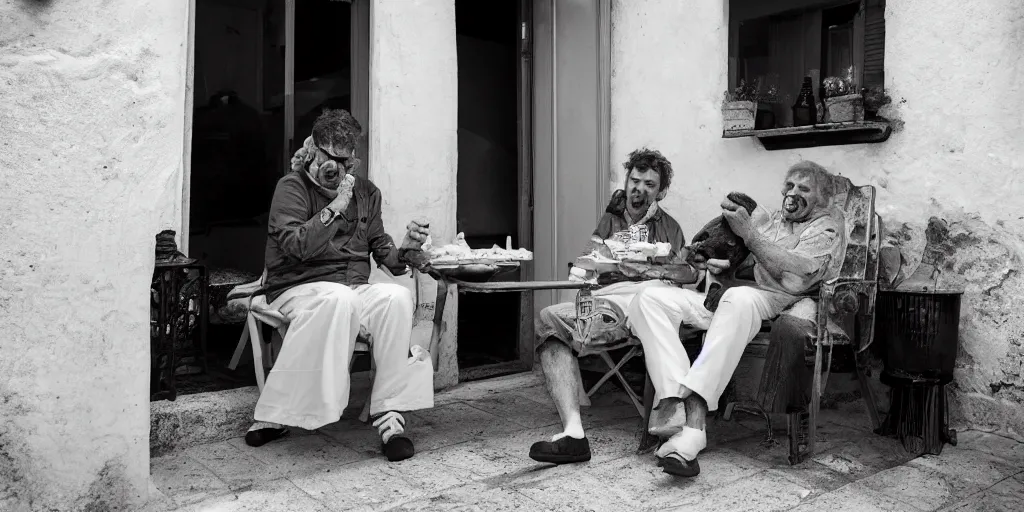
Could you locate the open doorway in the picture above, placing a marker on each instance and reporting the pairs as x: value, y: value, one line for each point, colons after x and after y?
x: 492, y: 164
x: 263, y: 71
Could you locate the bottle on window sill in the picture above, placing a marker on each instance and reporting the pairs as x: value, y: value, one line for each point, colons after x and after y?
x: 805, y: 111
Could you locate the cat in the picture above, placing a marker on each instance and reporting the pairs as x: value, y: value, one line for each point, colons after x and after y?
x: 716, y: 240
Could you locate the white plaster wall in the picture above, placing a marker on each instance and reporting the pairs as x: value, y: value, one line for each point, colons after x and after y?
x: 413, y: 123
x: 414, y: 112
x: 90, y: 170
x: 954, y: 71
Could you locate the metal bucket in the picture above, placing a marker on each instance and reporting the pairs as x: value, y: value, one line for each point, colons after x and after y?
x: 920, y: 332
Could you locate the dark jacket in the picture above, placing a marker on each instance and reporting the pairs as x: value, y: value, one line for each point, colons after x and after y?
x: 301, y: 249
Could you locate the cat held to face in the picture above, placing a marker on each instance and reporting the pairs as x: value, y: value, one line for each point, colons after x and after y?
x: 716, y: 240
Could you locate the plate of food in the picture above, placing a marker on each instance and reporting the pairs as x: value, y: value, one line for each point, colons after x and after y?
x: 638, y: 251
x: 459, y: 261
x: 597, y: 263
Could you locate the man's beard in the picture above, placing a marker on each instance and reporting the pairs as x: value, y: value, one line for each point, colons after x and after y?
x: 639, y: 201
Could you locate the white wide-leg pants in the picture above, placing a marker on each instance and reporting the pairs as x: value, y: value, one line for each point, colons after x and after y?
x: 309, y: 385
x: 656, y: 314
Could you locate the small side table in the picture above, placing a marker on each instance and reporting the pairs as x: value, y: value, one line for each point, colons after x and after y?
x: 179, y: 302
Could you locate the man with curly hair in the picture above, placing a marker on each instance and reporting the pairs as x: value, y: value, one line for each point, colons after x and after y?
x: 325, y: 225
x: 633, y: 215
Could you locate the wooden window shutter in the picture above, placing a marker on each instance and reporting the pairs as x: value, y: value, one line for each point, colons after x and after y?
x: 874, y: 43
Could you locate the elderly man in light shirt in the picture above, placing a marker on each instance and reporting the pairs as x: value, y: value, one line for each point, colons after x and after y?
x: 792, y: 251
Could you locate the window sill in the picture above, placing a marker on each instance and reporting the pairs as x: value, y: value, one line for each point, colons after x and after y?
x: 829, y: 134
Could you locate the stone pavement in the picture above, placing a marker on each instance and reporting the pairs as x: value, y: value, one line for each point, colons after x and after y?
x: 472, y: 455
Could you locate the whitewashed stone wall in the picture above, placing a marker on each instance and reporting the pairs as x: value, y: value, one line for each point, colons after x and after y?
x: 954, y: 71
x: 91, y: 140
x: 413, y: 138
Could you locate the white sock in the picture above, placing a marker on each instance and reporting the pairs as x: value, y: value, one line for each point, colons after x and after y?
x: 573, y: 429
x: 685, y: 445
x: 389, y: 424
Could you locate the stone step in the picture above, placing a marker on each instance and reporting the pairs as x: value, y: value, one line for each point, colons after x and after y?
x: 204, y: 418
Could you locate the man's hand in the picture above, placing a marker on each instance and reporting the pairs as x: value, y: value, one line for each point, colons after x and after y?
x: 716, y: 266
x: 340, y: 203
x: 416, y: 234
x: 738, y: 219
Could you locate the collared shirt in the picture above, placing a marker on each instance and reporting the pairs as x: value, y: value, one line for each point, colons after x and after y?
x: 822, y: 239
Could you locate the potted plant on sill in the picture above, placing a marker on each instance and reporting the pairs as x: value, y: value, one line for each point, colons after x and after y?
x: 842, y: 103
x: 874, y: 99
x: 739, y: 110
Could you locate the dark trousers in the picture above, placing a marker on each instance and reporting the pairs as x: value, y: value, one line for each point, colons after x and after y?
x: 786, y: 379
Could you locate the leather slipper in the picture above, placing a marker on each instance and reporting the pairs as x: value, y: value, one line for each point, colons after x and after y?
x: 398, y: 448
x: 677, y: 467
x: 262, y: 436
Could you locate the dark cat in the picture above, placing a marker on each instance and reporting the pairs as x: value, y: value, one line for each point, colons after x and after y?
x: 716, y: 240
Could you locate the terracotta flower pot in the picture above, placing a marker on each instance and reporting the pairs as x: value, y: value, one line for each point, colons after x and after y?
x: 739, y: 115
x: 845, y: 109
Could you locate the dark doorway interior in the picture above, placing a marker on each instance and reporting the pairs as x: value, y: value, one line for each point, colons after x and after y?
x: 238, y: 146
x: 239, y: 150
x: 487, y: 38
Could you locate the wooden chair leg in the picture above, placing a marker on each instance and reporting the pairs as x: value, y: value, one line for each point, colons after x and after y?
x: 868, y: 394
x: 255, y: 336
x: 812, y: 427
x: 797, y: 429
x: 364, y: 415
x: 243, y: 340
x: 812, y: 413
x: 726, y: 412
x: 803, y: 426
x: 647, y: 441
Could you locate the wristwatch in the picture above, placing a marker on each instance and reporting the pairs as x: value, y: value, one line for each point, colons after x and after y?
x: 327, y: 215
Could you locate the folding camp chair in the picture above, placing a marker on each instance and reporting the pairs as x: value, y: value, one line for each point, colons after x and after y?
x: 586, y: 317
x: 260, y: 314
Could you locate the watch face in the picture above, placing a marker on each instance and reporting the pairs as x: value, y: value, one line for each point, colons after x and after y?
x: 325, y: 216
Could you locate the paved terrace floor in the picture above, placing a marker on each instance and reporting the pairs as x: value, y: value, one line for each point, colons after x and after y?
x: 472, y: 455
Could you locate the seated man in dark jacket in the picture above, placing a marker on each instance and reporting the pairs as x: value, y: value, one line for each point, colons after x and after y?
x: 633, y: 215
x: 325, y: 224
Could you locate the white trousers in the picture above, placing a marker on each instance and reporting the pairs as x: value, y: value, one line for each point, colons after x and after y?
x: 656, y: 314
x: 622, y: 294
x: 309, y: 384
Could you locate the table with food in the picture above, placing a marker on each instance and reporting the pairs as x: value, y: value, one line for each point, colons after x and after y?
x: 617, y: 260
x: 458, y: 268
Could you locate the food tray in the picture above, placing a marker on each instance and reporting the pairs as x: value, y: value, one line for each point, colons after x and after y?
x: 598, y: 266
x: 470, y: 271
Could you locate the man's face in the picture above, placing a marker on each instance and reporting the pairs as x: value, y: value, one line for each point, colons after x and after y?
x: 642, y: 189
x: 800, y: 197
x: 331, y: 165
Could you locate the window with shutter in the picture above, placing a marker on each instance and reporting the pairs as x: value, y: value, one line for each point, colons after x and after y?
x: 874, y: 43
x: 775, y: 44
